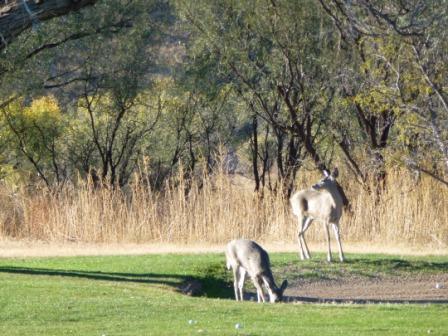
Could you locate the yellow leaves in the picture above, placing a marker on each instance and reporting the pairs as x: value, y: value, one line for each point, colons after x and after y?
x: 414, y: 85
x: 409, y: 127
x: 33, y: 127
x: 44, y: 108
x: 378, y: 99
x: 366, y: 66
x: 428, y: 90
x: 411, y: 119
x: 43, y: 111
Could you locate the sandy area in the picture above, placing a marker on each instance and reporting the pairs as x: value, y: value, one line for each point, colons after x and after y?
x: 420, y: 288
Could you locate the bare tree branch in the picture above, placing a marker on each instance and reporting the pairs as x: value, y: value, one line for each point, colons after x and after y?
x: 15, y: 15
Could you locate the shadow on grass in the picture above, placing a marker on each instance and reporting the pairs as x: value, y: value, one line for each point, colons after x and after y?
x: 150, y: 278
x: 215, y: 281
x: 212, y: 286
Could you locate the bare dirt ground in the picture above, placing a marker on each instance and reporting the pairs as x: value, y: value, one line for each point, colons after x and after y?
x: 425, y: 288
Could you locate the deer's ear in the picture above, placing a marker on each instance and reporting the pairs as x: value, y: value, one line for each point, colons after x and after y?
x: 335, y: 173
x: 326, y: 173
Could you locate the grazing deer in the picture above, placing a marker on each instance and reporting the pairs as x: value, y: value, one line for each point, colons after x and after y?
x: 247, y: 257
x: 322, y: 202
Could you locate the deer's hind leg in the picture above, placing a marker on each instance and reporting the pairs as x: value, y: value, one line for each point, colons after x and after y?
x: 299, y: 238
x: 235, y: 280
x: 242, y: 278
x: 338, y: 238
x: 304, y: 223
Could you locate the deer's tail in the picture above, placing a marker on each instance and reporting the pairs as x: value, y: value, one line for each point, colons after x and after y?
x: 228, y: 263
x: 299, y: 205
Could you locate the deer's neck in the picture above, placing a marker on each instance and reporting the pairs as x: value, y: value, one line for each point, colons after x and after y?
x: 268, y: 280
x: 334, y: 193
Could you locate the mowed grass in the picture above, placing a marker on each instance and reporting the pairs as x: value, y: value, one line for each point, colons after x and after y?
x: 138, y: 295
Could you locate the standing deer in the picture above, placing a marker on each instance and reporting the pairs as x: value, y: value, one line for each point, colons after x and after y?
x: 247, y: 257
x: 322, y: 202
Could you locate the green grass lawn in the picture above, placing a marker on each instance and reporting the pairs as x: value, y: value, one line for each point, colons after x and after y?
x: 137, y: 295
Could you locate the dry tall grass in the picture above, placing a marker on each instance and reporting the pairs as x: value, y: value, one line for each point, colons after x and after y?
x: 218, y: 208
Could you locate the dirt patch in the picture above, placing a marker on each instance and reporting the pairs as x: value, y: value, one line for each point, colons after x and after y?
x: 425, y: 288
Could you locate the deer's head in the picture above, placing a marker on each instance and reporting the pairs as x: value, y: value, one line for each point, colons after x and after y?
x: 277, y: 293
x: 327, y: 181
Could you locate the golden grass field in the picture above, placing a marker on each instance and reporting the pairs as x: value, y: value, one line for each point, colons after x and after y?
x: 409, y: 216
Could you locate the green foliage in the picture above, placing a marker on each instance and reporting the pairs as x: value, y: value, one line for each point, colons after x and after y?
x: 173, y: 81
x: 34, y: 133
x: 41, y: 123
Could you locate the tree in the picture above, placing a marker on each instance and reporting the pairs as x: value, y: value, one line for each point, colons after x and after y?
x: 276, y: 64
x: 18, y: 15
x: 104, y: 53
x: 193, y: 130
x: 35, y: 133
x: 116, y: 100
x: 367, y: 107
x: 417, y: 29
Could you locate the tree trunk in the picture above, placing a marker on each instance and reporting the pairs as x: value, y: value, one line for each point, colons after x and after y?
x: 254, y: 145
x: 19, y: 15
